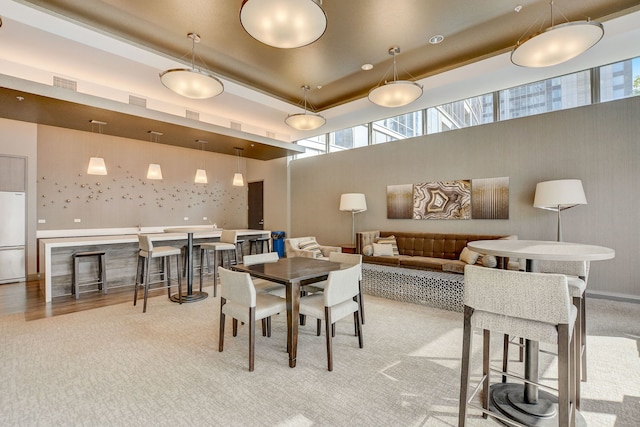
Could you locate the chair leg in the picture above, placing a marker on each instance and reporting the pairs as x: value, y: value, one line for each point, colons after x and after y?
x: 235, y: 327
x: 464, y: 371
x: 318, y: 327
x: 505, y: 356
x: 564, y: 386
x: 358, y: 323
x: 139, y: 276
x: 361, y: 301
x: 179, y: 279
x: 577, y: 336
x: 583, y: 339
x: 147, y: 279
x: 215, y: 274
x: 264, y: 327
x: 328, y: 324
x: 167, y: 262
x: 252, y: 337
x: 269, y: 327
x: 486, y: 372
x: 222, y: 319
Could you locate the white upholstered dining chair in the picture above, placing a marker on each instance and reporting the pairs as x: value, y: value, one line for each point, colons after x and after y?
x: 239, y: 299
x: 335, y: 303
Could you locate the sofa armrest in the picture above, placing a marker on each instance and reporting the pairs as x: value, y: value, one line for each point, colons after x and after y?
x: 326, y: 250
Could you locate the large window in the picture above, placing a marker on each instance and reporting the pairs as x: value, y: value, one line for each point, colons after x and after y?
x: 460, y: 114
x: 620, y: 80
x: 616, y: 81
x: 558, y: 93
x: 346, y: 139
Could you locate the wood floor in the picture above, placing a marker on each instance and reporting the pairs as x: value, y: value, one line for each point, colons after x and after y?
x: 25, y: 297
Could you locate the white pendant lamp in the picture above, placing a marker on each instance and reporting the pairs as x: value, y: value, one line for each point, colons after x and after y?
x: 395, y: 93
x: 154, y: 171
x: 201, y: 174
x: 96, y: 164
x: 305, y: 120
x: 557, y: 44
x: 284, y: 23
x: 238, y: 180
x: 192, y: 82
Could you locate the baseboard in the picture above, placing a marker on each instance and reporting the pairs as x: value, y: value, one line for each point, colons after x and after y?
x: 613, y: 297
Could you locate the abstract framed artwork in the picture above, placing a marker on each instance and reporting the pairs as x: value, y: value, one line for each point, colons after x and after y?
x: 442, y: 200
x: 482, y: 198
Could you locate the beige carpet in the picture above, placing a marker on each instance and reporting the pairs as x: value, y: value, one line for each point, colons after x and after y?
x: 116, y: 366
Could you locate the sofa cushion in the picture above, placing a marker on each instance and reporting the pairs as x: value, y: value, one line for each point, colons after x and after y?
x: 454, y: 266
x: 367, y: 250
x: 311, y: 246
x: 489, y: 261
x: 469, y: 256
x: 389, y: 240
x: 385, y: 260
x: 382, y: 249
x: 422, y: 262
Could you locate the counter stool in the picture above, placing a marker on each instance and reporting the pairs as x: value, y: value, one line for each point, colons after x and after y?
x: 536, y: 306
x: 253, y: 243
x: 101, y: 280
x: 239, y: 249
x: 143, y: 274
x: 226, y: 245
x: 196, y: 248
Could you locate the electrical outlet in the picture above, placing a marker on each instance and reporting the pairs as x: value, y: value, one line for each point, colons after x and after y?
x: 42, y: 221
x: 204, y: 218
x: 77, y: 220
x: 186, y: 218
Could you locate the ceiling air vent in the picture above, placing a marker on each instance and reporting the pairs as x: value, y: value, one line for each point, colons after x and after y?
x: 136, y: 100
x: 236, y: 126
x: 193, y: 115
x: 65, y: 83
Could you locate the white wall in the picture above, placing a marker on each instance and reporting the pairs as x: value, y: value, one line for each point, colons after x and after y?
x: 597, y: 144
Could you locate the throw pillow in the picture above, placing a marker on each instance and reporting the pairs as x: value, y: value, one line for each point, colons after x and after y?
x: 311, y: 246
x: 382, y: 249
x: 367, y: 250
x: 469, y: 256
x: 489, y: 261
x: 390, y: 240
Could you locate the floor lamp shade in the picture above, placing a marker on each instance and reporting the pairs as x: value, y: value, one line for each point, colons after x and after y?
x: 559, y: 195
x: 354, y: 203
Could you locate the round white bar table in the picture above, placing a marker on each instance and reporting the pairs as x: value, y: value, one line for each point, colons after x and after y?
x: 190, y: 296
x: 534, y: 407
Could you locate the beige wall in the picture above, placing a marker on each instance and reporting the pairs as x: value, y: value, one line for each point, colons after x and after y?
x: 273, y: 173
x: 597, y: 144
x: 124, y: 197
x: 20, y: 139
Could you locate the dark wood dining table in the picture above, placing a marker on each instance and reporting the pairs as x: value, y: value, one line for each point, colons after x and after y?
x: 291, y: 272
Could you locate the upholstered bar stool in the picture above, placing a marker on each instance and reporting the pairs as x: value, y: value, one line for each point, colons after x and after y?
x: 101, y: 280
x: 259, y: 242
x: 577, y: 273
x: 226, y: 245
x: 536, y: 306
x: 146, y: 253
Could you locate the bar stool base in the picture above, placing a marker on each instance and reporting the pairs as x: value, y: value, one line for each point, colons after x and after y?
x: 508, y: 400
x: 195, y: 296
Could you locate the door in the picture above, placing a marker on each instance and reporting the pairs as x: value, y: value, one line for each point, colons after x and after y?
x: 256, y: 213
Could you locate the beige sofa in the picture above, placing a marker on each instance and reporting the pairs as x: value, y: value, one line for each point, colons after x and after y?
x: 292, y: 248
x: 422, y: 251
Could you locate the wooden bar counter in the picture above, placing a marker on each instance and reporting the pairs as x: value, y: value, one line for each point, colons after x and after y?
x: 56, y: 262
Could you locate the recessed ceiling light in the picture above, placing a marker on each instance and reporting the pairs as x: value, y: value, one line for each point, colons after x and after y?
x: 367, y: 67
x: 518, y: 8
x: 438, y: 38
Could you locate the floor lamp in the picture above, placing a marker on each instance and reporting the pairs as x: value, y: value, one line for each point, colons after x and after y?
x: 559, y: 195
x: 354, y: 203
